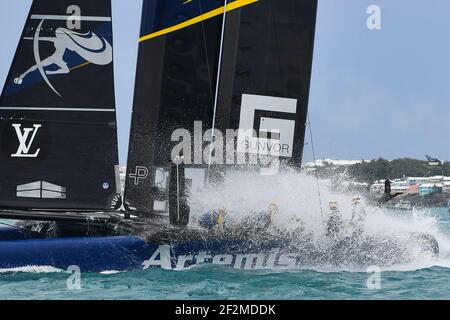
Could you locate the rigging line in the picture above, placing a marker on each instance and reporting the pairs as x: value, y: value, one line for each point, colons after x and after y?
x: 206, y: 56
x: 208, y: 66
x: 315, y: 169
x: 219, y: 73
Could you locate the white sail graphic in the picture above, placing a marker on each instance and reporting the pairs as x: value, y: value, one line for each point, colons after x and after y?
x: 41, y: 190
x: 89, y: 46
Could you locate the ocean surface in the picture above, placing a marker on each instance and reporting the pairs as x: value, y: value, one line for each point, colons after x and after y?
x: 423, y: 279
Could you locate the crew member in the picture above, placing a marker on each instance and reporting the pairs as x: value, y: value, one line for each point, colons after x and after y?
x: 335, y: 221
x: 261, y: 221
x: 300, y: 231
x: 266, y: 217
x: 358, y: 216
x: 214, y: 219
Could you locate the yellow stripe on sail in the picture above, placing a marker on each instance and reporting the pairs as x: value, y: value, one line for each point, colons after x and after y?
x: 81, y: 66
x: 211, y: 14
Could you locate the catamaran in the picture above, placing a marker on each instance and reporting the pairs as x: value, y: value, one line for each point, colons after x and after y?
x: 203, y: 66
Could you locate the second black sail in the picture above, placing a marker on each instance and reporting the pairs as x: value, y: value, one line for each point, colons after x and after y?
x: 238, y: 65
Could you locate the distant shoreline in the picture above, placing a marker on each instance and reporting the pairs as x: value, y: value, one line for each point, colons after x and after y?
x: 436, y: 200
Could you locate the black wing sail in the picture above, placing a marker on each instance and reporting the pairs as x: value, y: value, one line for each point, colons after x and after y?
x: 57, y: 110
x: 272, y: 75
x: 201, y: 67
x: 175, y: 87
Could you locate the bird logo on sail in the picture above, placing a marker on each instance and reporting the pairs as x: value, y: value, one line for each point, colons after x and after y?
x: 89, y: 46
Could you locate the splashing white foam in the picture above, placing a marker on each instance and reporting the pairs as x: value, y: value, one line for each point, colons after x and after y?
x: 296, y: 195
x: 110, y: 272
x: 32, y: 269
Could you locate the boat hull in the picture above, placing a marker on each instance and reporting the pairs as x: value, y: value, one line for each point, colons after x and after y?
x: 130, y: 253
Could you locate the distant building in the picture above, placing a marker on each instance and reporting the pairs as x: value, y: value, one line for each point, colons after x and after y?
x: 429, y: 188
x: 400, y: 186
x: 436, y: 179
x: 446, y: 185
x: 412, y: 181
x: 415, y: 185
x: 433, y: 162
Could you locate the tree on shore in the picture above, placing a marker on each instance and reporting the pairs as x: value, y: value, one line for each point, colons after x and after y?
x: 381, y: 168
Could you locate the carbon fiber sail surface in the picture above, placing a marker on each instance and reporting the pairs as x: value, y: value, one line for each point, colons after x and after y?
x: 203, y: 67
x: 58, y: 140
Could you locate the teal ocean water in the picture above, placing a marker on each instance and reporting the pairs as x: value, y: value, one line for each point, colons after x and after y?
x: 427, y: 279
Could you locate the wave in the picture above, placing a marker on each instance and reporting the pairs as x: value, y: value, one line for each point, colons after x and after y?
x: 32, y: 269
x: 111, y: 272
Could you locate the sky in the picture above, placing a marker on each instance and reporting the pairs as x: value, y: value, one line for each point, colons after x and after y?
x: 374, y: 93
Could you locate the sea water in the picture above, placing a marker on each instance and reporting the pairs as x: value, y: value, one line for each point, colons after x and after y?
x: 424, y: 277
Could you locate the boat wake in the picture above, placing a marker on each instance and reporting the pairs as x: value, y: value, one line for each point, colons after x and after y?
x: 394, y: 242
x: 31, y: 269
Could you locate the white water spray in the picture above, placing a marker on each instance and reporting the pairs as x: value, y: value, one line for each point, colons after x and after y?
x: 296, y: 196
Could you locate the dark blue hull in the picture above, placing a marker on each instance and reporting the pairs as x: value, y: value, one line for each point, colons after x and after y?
x: 89, y: 254
x: 124, y: 253
x: 131, y: 253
